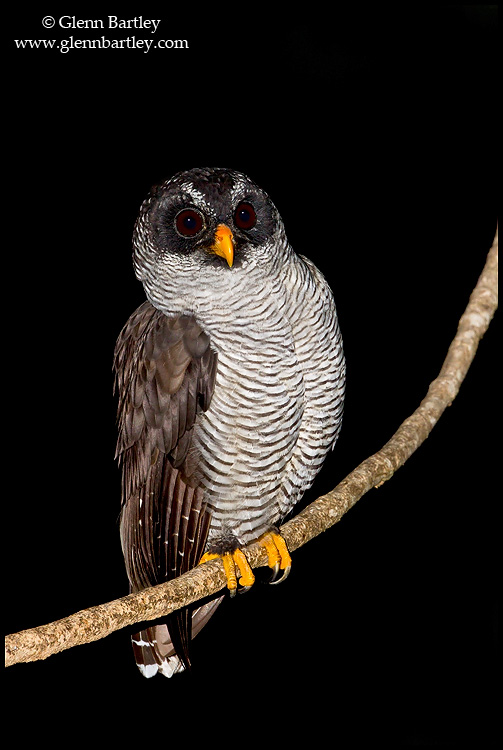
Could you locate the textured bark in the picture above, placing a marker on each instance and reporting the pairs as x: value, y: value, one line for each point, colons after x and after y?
x: 97, y: 622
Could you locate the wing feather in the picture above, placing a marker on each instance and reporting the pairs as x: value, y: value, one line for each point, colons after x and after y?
x: 164, y: 376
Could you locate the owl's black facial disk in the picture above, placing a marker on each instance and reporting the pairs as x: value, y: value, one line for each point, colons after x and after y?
x: 185, y: 213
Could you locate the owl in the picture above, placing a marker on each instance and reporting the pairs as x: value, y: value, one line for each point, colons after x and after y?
x: 230, y: 380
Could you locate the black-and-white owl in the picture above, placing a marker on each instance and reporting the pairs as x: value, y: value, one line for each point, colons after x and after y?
x: 230, y: 380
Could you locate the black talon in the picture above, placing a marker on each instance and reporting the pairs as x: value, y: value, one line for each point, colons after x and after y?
x: 286, y: 573
x: 243, y: 589
x: 275, y: 572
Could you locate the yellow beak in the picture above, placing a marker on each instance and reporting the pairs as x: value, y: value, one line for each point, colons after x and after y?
x: 224, y: 244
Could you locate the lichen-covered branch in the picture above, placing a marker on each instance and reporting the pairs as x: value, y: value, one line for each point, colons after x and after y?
x: 97, y: 622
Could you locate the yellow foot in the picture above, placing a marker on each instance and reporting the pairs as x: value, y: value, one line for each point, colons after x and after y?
x: 238, y: 570
x: 232, y: 561
x: 279, y: 557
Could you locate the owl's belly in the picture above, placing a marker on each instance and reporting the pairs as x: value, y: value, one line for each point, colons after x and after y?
x: 247, y: 438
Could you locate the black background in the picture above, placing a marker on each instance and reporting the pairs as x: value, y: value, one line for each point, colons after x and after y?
x: 373, y: 131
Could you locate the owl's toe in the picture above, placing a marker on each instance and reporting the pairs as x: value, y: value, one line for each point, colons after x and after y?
x: 278, y: 556
x: 237, y: 569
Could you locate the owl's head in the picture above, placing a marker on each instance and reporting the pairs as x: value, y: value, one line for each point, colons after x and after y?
x: 206, y: 219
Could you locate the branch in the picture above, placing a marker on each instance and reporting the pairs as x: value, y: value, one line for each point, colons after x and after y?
x: 97, y: 622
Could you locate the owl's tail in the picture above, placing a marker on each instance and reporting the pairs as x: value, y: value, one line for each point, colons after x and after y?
x: 154, y: 650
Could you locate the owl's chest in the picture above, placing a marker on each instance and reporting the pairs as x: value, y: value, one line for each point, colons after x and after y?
x: 258, y: 399
x: 258, y: 382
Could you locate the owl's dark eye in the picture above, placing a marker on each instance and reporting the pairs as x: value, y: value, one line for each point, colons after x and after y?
x: 245, y: 216
x: 189, y: 222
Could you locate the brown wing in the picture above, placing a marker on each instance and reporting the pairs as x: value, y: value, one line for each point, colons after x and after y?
x: 165, y: 374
